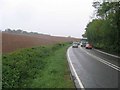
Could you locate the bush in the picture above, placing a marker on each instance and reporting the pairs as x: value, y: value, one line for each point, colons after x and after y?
x: 21, y: 66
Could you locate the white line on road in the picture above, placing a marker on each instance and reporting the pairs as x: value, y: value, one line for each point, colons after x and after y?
x: 103, y: 61
x: 107, y: 53
x: 78, y: 79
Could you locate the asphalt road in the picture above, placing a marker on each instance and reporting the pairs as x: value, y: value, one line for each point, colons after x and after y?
x: 93, y: 69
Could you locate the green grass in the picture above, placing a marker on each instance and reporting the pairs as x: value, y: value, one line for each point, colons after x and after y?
x: 37, y: 67
x: 56, y: 73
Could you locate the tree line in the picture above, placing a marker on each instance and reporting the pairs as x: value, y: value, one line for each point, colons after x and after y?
x: 103, y: 31
x: 19, y: 31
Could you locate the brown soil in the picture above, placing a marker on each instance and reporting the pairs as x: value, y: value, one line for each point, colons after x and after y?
x: 12, y: 42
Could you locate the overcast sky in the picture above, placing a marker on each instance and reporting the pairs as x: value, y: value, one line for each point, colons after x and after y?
x: 54, y: 17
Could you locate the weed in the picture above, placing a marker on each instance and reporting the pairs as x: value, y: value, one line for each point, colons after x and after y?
x: 22, y: 67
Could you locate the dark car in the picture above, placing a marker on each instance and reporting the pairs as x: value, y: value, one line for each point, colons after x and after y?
x: 88, y: 46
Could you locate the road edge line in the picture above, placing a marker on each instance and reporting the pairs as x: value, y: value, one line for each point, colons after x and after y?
x: 107, y: 53
x: 79, y: 81
x: 103, y: 61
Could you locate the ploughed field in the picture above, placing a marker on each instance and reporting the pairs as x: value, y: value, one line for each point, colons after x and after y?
x: 12, y: 42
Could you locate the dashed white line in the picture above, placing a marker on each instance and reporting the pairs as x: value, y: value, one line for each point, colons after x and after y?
x: 78, y: 79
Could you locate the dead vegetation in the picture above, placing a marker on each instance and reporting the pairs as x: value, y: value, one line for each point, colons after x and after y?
x: 12, y: 42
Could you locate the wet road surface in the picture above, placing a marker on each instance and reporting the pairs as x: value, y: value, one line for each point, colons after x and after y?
x: 93, y: 69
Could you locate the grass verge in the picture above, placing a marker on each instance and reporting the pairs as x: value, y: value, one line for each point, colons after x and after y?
x: 37, y: 67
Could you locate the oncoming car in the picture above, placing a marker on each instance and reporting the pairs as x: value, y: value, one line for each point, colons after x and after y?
x: 75, y: 45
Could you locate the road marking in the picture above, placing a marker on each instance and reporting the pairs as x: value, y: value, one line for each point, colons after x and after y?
x: 103, y: 61
x: 78, y: 79
x: 107, y: 53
